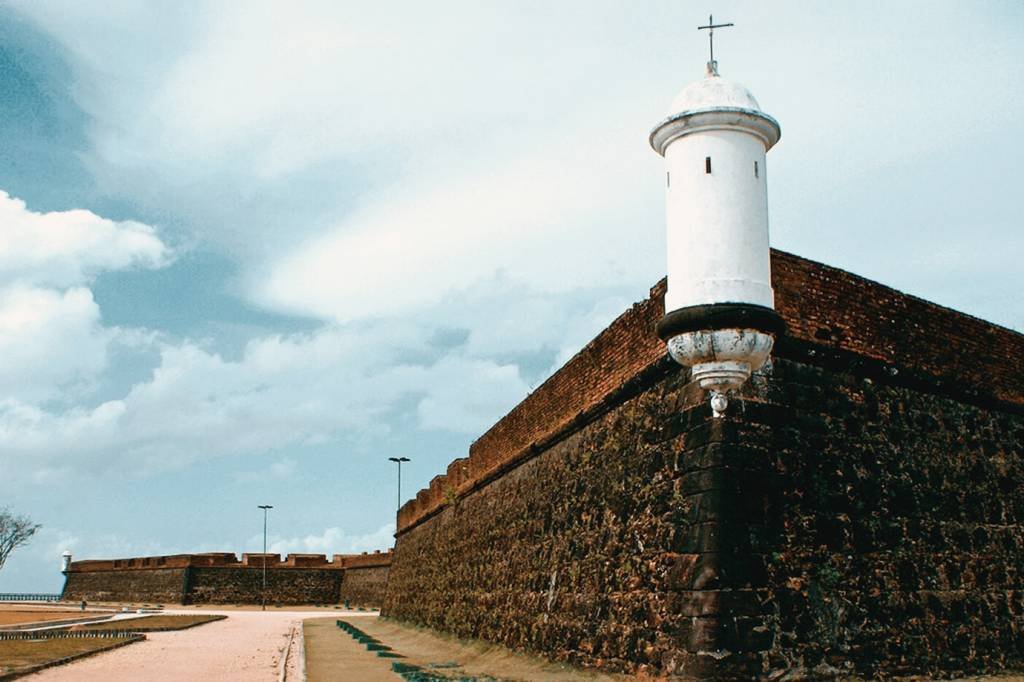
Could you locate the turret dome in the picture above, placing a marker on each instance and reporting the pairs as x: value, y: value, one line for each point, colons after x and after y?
x: 713, y: 92
x: 714, y: 103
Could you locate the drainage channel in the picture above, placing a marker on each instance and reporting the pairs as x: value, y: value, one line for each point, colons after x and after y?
x: 434, y: 672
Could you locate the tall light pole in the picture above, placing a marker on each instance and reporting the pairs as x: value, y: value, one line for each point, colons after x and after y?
x: 263, y: 593
x: 399, y: 460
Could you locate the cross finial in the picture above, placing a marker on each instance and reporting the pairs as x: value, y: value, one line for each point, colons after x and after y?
x: 712, y: 64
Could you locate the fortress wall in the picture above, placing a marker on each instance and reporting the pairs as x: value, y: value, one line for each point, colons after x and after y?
x: 821, y: 305
x: 364, y: 586
x: 861, y: 506
x: 364, y: 560
x: 285, y: 586
x: 575, y: 553
x: 879, y: 527
x: 220, y: 578
x: 151, y: 586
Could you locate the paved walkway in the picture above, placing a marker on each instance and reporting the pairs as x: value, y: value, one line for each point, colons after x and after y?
x: 248, y: 646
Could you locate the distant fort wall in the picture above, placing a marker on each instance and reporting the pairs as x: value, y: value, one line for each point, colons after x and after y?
x: 860, y: 510
x: 221, y: 578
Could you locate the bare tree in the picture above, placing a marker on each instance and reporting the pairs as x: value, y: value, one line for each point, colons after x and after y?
x: 15, y: 531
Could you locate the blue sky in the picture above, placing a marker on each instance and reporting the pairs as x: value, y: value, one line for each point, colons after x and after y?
x: 249, y: 251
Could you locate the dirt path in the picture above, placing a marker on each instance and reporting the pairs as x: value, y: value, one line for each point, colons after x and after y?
x: 246, y: 646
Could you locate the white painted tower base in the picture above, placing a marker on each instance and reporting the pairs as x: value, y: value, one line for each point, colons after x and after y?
x: 721, y: 359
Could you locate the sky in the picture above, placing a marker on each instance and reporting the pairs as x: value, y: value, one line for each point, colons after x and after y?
x: 249, y: 251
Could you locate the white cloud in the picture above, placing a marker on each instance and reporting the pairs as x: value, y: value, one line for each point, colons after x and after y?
x: 284, y: 391
x: 68, y: 248
x: 333, y: 540
x: 281, y: 469
x: 468, y: 395
x: 555, y: 219
x: 52, y: 339
x: 52, y: 343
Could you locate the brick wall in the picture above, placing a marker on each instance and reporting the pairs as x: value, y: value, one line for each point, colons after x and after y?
x: 837, y: 309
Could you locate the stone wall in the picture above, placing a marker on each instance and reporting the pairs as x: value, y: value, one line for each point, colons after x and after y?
x: 823, y: 306
x: 285, y: 586
x: 859, y: 510
x: 878, y: 527
x: 154, y: 586
x: 364, y: 586
x: 221, y: 578
x: 571, y: 553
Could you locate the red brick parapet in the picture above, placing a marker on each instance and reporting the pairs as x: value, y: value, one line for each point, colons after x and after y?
x: 364, y: 560
x: 212, y: 559
x: 821, y: 305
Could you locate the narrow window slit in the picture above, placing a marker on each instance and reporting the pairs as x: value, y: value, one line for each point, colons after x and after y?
x: 668, y: 179
x: 707, y: 164
x: 755, y: 170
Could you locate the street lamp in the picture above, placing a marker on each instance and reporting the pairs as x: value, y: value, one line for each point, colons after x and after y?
x: 263, y: 594
x: 399, y: 460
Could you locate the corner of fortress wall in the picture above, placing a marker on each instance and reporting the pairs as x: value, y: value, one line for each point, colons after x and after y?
x: 860, y: 510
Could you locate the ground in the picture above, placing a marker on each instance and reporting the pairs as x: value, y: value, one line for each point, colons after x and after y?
x: 155, y: 623
x: 10, y: 617
x: 16, y: 654
x: 334, y: 654
x: 248, y: 645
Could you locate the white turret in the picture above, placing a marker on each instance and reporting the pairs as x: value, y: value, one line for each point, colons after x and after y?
x: 719, y: 307
x: 65, y: 561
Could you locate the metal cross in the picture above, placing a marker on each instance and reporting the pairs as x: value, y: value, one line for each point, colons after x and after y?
x: 711, y: 33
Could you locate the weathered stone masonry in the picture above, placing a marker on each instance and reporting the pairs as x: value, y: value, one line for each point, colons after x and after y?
x: 859, y: 511
x: 220, y: 578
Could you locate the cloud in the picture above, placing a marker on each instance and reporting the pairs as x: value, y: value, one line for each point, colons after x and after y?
x: 554, y: 219
x: 333, y: 540
x: 281, y: 469
x: 338, y: 382
x: 314, y: 141
x: 283, y: 391
x: 67, y: 248
x: 52, y: 339
x: 52, y: 342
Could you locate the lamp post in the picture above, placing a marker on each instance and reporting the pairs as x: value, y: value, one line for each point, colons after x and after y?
x: 399, y: 461
x: 263, y: 593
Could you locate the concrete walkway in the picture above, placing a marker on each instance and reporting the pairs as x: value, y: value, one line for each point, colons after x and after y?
x: 248, y: 645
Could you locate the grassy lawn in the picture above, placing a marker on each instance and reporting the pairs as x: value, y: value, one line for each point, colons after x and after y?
x: 16, y: 654
x: 154, y: 623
